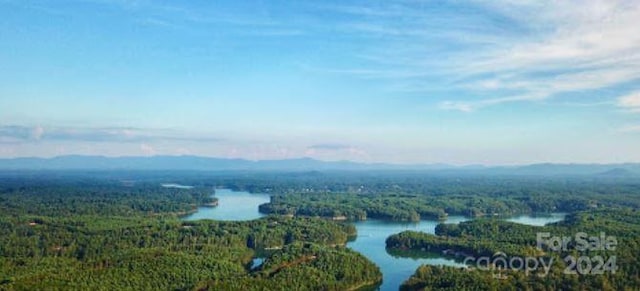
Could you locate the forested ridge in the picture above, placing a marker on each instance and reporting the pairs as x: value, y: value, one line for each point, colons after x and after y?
x: 412, y: 197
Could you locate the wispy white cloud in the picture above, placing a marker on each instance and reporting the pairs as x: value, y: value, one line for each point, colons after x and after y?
x: 25, y: 134
x: 158, y: 22
x: 630, y: 102
x: 368, y: 73
x: 586, y: 104
x: 586, y: 46
x: 630, y: 129
x: 335, y: 150
x: 466, y: 106
x: 541, y: 88
x: 37, y: 132
x: 513, y: 50
x: 188, y: 17
x: 329, y: 146
x: 147, y: 149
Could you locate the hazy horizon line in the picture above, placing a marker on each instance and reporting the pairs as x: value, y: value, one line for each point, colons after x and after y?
x: 457, y: 165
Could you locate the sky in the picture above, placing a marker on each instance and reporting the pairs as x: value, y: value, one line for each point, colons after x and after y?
x: 460, y: 82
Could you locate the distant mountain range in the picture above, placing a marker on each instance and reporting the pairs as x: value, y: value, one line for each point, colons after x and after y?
x: 75, y: 162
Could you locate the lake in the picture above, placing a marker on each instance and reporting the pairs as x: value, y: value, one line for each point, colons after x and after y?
x: 232, y: 206
x: 395, y: 269
x: 372, y: 233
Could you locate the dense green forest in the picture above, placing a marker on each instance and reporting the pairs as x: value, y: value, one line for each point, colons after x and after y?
x: 121, y: 230
x: 412, y: 197
x: 62, y: 234
x: 305, y: 267
x: 619, y: 269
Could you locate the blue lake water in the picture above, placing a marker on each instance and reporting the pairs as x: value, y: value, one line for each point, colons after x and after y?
x: 395, y: 269
x: 372, y: 233
x: 232, y: 206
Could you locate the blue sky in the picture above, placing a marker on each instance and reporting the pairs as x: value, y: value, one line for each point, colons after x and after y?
x: 460, y: 82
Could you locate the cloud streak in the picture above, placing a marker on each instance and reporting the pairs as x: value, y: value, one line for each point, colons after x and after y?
x: 500, y: 51
x: 333, y: 150
x: 25, y: 134
x: 591, y: 47
x: 329, y: 147
x: 630, y: 102
x: 630, y: 129
x: 596, y: 46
